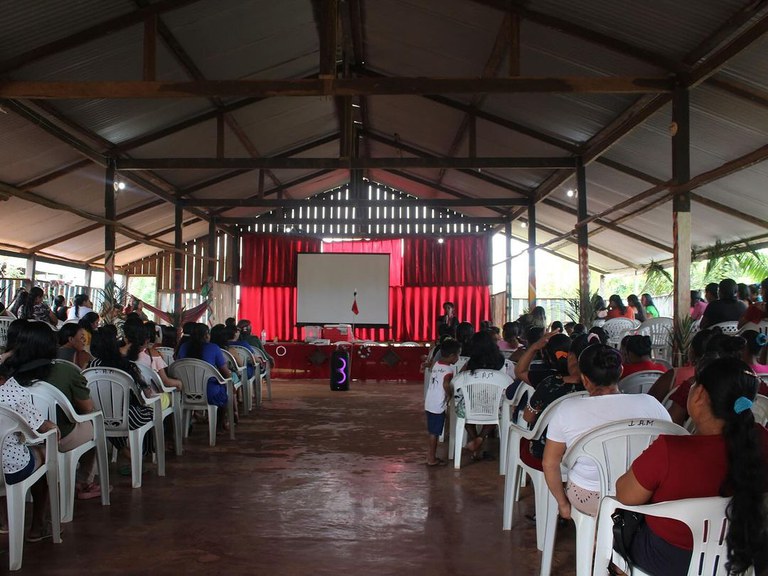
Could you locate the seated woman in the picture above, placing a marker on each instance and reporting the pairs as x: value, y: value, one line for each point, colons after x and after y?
x: 199, y: 346
x: 510, y: 337
x: 82, y: 306
x: 37, y: 344
x: 485, y: 355
x: 10, y: 338
x: 634, y: 302
x: 106, y: 351
x: 600, y: 368
x: 60, y: 308
x: 89, y: 322
x: 20, y: 460
x: 650, y: 308
x: 754, y: 344
x: 638, y: 358
x: 616, y: 309
x: 72, y: 345
x: 134, y: 350
x: 34, y: 308
x: 563, y: 354
x: 757, y: 311
x: 682, y: 376
x: 153, y: 358
x: 726, y: 456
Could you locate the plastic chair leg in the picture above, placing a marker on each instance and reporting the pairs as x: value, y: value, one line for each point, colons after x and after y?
x: 159, y: 431
x: 212, y: 422
x: 503, y: 439
x: 541, y: 495
x: 103, y: 467
x: 269, y: 386
x: 585, y: 541
x: 458, y: 442
x: 134, y: 444
x: 52, y: 476
x: 67, y: 474
x: 15, y: 496
x: 187, y: 422
x: 178, y: 426
x: 550, y: 532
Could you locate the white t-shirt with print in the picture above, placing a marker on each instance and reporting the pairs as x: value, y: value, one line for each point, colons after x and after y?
x: 576, y: 416
x: 435, y: 398
x: 17, y: 398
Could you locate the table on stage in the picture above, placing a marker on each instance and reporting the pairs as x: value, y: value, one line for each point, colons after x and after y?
x: 369, y: 361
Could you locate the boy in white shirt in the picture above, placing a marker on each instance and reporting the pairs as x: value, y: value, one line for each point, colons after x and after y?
x: 435, y: 399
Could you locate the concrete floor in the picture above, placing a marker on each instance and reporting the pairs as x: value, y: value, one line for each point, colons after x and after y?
x: 317, y: 483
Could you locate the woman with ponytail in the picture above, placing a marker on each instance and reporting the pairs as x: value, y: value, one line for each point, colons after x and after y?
x: 82, y: 306
x: 34, y: 308
x: 726, y: 456
x: 600, y: 367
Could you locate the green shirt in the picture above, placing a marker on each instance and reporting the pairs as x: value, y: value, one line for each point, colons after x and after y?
x: 73, y: 385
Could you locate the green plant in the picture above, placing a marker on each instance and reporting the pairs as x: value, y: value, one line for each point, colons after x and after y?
x: 683, y: 331
x: 575, y: 313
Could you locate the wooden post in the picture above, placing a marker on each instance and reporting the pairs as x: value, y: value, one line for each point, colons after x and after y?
x: 236, y: 256
x: 109, y: 234
x: 211, y: 252
x: 31, y: 269
x: 681, y: 204
x: 583, y: 239
x: 532, y: 254
x: 220, y: 136
x: 508, y: 266
x: 178, y: 240
x: 150, y: 48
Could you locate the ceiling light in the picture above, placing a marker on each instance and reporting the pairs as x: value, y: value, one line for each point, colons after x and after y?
x: 440, y: 240
x: 523, y: 225
x: 570, y: 193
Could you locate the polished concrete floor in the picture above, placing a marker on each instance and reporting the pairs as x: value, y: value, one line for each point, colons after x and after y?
x: 317, y: 482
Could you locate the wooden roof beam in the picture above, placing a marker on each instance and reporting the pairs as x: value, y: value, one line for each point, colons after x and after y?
x: 310, y: 203
x: 139, y: 89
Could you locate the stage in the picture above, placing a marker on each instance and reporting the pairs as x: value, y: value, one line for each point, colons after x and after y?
x: 297, y: 360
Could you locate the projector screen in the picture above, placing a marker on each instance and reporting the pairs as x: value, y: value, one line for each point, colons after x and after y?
x: 326, y: 284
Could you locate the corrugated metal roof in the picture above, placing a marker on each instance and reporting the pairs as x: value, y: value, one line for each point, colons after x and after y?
x: 749, y: 66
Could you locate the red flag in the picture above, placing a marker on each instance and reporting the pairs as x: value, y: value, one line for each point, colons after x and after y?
x: 355, y: 309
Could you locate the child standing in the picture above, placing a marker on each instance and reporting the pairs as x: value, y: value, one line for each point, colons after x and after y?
x: 437, y: 392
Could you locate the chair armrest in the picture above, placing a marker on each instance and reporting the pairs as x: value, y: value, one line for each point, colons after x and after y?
x: 149, y: 401
x: 40, y: 437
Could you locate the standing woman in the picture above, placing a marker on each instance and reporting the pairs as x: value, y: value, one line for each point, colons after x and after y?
x: 616, y: 308
x: 650, y: 309
x: 448, y: 322
x: 726, y: 456
x: 634, y: 302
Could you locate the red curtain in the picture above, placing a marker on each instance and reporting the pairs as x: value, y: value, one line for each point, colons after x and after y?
x: 457, y: 261
x: 270, y: 260
x: 423, y: 275
x: 392, y: 247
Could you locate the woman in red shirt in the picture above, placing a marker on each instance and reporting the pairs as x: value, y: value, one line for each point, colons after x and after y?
x: 638, y: 358
x: 616, y: 308
x: 726, y: 456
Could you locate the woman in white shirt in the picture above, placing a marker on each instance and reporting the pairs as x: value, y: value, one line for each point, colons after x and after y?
x: 82, y: 306
x: 600, y: 367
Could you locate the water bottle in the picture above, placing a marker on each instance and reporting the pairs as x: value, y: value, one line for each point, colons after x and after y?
x: 263, y: 335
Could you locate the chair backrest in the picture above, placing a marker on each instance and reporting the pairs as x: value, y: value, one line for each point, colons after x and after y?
x: 760, y: 409
x: 47, y: 397
x: 613, y: 447
x: 667, y: 402
x: 67, y: 362
x: 543, y: 420
x: 461, y: 362
x: 509, y: 368
x: 111, y: 391
x: 482, y: 390
x: 10, y: 423
x: 232, y: 363
x: 728, y: 327
x: 150, y: 376
x: 194, y: 375
x: 617, y: 327
x: 658, y: 329
x: 639, y: 382
x: 166, y: 353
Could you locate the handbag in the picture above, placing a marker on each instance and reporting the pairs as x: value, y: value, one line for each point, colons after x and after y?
x: 625, y: 526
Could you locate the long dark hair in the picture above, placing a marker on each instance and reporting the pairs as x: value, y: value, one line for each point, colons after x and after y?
x: 615, y: 299
x: 14, y: 329
x: 219, y: 335
x: 727, y: 380
x: 196, y: 342
x: 136, y: 335
x: 601, y: 364
x: 87, y: 321
x: 34, y: 351
x: 557, y: 349
x: 106, y: 348
x: 485, y: 353
x: 634, y: 301
x: 27, y: 309
x: 80, y: 299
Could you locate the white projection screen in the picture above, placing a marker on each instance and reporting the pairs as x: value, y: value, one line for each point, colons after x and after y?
x: 326, y: 284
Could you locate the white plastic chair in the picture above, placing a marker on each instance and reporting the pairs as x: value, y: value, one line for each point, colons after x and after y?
x: 262, y: 359
x: 111, y: 391
x: 730, y: 328
x: 244, y: 383
x: 153, y: 379
x: 659, y: 330
x: 639, y: 382
x: 506, y: 434
x: 760, y: 409
x: 612, y: 447
x: 166, y: 353
x: 616, y: 328
x: 194, y: 375
x: 68, y: 363
x: 667, y: 402
x: 516, y: 468
x: 16, y: 494
x: 245, y: 357
x: 705, y: 517
x: 482, y: 391
x: 47, y: 398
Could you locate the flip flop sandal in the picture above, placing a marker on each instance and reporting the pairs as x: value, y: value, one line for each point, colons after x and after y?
x: 437, y: 462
